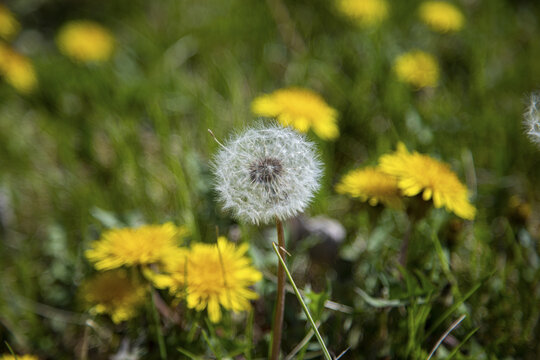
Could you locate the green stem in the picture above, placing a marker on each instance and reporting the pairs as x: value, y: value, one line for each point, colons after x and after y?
x: 404, y: 250
x: 280, y: 299
x: 207, y: 339
x: 159, y: 333
x: 249, y: 335
x: 306, y: 310
x: 11, y: 351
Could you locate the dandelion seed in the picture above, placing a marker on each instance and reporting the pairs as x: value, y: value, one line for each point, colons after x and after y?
x: 532, y: 119
x: 364, y: 12
x: 85, y: 41
x: 372, y: 185
x: 9, y: 26
x: 417, y: 68
x: 266, y: 173
x: 113, y: 293
x: 300, y: 108
x: 417, y: 173
x: 146, y: 245
x: 441, y: 16
x: 17, y: 70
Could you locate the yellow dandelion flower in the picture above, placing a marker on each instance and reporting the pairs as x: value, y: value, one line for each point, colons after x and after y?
x: 213, y: 276
x: 9, y: 26
x: 17, y: 70
x: 145, y: 245
x: 441, y: 16
x: 372, y: 185
x: 19, y: 357
x: 113, y: 293
x: 418, y: 173
x: 300, y: 108
x: 85, y: 41
x: 173, y: 272
x: 365, y: 12
x: 417, y: 68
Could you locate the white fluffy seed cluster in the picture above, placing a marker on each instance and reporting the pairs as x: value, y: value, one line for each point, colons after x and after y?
x: 266, y: 173
x: 532, y: 119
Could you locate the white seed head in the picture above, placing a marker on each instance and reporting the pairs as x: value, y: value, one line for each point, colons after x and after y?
x: 266, y: 173
x: 532, y: 119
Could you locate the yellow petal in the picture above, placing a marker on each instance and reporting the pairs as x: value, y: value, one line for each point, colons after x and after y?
x: 214, y: 311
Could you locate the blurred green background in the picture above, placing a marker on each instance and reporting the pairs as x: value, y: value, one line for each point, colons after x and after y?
x: 126, y: 142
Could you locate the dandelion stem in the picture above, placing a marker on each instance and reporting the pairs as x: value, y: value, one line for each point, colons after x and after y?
x: 404, y: 250
x: 84, y: 346
x: 159, y: 334
x: 286, y: 26
x: 280, y: 299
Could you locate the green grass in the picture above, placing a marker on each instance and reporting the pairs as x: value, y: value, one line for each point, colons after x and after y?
x: 126, y: 142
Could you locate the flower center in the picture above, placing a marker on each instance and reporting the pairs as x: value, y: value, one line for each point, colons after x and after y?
x: 265, y: 171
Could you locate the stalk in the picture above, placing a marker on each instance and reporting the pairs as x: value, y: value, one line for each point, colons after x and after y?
x: 404, y: 249
x: 159, y: 333
x: 280, y: 300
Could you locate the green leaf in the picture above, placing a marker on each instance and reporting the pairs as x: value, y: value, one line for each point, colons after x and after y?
x: 315, y: 302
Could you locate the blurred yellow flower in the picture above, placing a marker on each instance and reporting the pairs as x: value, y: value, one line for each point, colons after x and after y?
x: 441, y: 16
x: 113, y: 293
x: 17, y: 70
x: 172, y: 273
x: 300, y: 108
x: 85, y: 41
x: 372, y: 185
x: 418, y: 173
x: 365, y: 12
x: 9, y: 26
x: 417, y: 68
x: 213, y: 276
x: 19, y: 357
x: 149, y: 244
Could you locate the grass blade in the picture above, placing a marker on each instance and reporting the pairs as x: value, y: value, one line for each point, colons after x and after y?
x: 304, y: 307
x: 11, y: 350
x: 454, y: 325
x: 456, y: 349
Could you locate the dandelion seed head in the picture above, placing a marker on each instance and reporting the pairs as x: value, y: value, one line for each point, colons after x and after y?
x: 532, y: 119
x: 267, y: 173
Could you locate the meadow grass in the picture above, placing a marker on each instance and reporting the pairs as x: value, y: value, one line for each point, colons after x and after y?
x: 125, y: 143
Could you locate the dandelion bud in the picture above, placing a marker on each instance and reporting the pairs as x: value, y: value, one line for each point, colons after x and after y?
x: 532, y: 119
x: 266, y: 173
